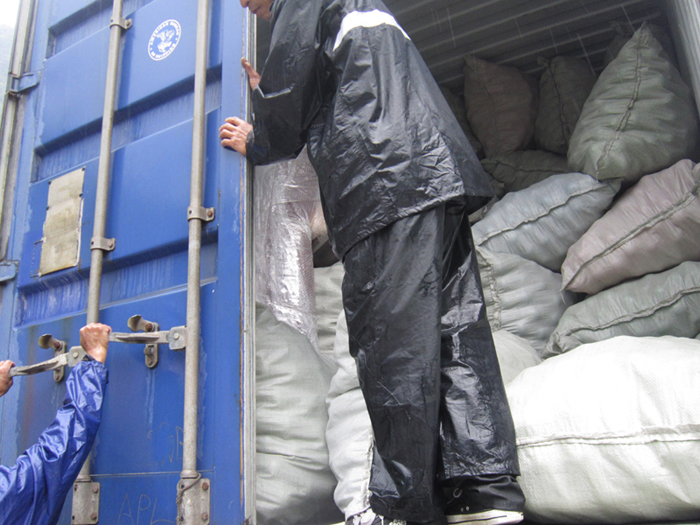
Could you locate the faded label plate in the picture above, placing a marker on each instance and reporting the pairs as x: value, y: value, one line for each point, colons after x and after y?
x: 61, y: 240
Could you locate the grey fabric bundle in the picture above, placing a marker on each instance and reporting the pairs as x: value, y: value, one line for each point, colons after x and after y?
x: 658, y: 304
x: 639, y: 118
x: 608, y: 433
x: 652, y: 227
x: 501, y: 106
x: 457, y: 106
x: 521, y: 169
x: 521, y: 296
x: 624, y: 34
x: 541, y: 222
x: 564, y: 88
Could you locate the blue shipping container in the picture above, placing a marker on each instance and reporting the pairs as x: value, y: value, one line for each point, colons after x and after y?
x: 138, y: 454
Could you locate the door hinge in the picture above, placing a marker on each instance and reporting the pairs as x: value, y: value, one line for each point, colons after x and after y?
x: 20, y: 84
x: 8, y: 271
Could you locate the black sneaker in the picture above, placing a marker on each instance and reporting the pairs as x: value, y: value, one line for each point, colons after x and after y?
x: 463, y: 512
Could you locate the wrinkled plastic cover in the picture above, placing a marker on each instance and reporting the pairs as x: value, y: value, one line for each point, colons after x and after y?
x: 34, y: 490
x: 287, y: 206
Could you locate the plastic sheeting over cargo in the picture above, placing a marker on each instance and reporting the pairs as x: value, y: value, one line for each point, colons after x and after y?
x: 287, y: 215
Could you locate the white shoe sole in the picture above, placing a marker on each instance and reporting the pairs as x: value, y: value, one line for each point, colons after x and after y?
x: 488, y: 517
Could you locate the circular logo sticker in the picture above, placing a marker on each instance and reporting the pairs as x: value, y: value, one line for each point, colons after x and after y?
x: 164, y: 40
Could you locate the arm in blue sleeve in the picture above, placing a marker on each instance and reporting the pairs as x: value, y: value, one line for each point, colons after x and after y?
x: 289, y: 94
x: 34, y: 489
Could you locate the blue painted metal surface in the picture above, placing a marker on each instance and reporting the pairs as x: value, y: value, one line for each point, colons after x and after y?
x: 138, y: 454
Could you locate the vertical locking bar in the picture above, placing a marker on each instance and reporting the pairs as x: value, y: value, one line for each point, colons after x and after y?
x: 87, y: 513
x: 188, y: 513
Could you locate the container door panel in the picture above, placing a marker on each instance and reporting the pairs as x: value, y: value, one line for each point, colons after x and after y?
x: 138, y: 452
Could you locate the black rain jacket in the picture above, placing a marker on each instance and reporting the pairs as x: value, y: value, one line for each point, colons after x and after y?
x: 345, y: 78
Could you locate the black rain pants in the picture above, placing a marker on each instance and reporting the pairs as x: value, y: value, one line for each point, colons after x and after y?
x: 426, y: 362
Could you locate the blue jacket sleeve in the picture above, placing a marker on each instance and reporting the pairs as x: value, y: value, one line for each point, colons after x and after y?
x: 34, y: 489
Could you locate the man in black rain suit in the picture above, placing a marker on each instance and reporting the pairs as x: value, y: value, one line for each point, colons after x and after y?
x: 398, y: 179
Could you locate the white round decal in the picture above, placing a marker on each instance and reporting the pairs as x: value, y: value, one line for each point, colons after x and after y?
x: 164, y: 39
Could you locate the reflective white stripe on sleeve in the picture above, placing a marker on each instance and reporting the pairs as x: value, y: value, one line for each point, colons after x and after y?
x: 365, y: 19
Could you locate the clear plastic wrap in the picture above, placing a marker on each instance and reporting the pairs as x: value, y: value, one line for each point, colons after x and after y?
x: 287, y: 206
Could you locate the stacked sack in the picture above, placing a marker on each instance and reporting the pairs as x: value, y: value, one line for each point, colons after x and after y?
x: 593, y: 251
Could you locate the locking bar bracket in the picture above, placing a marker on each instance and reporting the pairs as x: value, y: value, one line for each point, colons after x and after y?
x: 201, y: 213
x: 194, y: 500
x: 124, y: 23
x: 86, y: 503
x: 100, y: 243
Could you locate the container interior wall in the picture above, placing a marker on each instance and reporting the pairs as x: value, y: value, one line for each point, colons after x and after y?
x: 519, y: 32
x: 684, y: 23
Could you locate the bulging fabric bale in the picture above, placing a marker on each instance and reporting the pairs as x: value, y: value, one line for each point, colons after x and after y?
x: 564, y: 87
x: 624, y: 34
x: 457, y: 106
x: 608, y: 433
x: 293, y: 480
x: 501, y: 106
x: 514, y: 353
x: 521, y: 296
x: 654, y: 226
x: 640, y: 117
x: 521, y: 169
x: 658, y: 304
x: 541, y: 222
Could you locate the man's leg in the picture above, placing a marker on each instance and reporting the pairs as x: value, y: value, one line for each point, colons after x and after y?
x: 479, y: 460
x: 391, y: 295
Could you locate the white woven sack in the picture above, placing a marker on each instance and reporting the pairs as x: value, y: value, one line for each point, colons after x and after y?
x: 521, y: 169
x: 294, y: 482
x: 652, y: 227
x: 329, y: 301
x: 609, y: 433
x: 514, y: 353
x: 541, y: 222
x: 501, y: 105
x: 564, y: 88
x: 640, y: 117
x: 521, y: 296
x: 349, y: 433
x: 658, y: 304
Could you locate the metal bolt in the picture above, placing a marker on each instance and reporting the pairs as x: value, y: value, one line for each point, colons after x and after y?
x: 176, y: 336
x: 75, y: 487
x: 57, y: 345
x: 95, y: 489
x: 210, y: 213
x: 93, y: 516
x: 149, y: 327
x: 75, y: 355
x: 205, y: 516
x: 205, y: 485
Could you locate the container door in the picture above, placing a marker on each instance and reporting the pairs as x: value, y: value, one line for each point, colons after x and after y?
x: 138, y: 453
